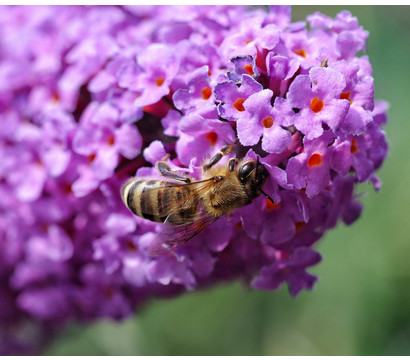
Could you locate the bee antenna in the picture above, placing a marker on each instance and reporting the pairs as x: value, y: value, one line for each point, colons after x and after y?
x: 256, y: 179
x: 257, y: 165
x: 267, y: 196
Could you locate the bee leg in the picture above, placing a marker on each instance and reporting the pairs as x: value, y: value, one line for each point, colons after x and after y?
x: 166, y: 171
x: 232, y: 163
x: 166, y: 157
x: 218, y: 156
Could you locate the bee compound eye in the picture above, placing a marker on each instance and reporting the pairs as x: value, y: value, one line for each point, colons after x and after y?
x: 246, y: 169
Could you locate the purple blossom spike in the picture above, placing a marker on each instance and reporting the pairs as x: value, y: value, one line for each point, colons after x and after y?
x: 91, y: 96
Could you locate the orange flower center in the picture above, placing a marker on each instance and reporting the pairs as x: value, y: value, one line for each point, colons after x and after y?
x: 206, y: 93
x: 91, y: 157
x: 212, y: 137
x: 111, y: 140
x: 131, y: 246
x: 159, y: 81
x: 315, y: 160
x: 271, y: 206
x: 55, y: 98
x: 267, y: 122
x: 108, y: 292
x: 238, y: 104
x: 316, y: 105
x: 67, y: 189
x: 300, y: 52
x: 346, y: 96
x: 354, y: 147
x: 248, y: 69
x: 299, y: 225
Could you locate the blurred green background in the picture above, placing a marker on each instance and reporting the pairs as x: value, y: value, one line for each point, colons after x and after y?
x: 361, y: 303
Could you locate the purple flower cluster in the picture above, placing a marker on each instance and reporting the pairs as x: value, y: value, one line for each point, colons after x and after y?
x: 92, y: 95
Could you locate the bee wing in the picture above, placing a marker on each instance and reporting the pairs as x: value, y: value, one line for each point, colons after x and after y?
x: 173, y: 236
x: 168, y: 205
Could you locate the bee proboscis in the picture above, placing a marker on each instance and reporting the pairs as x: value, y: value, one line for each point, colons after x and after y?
x: 189, y: 206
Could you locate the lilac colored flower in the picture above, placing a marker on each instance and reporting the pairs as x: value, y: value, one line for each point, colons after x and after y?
x: 90, y: 96
x: 102, y: 138
x: 243, y: 65
x: 350, y: 38
x: 252, y: 36
x: 317, y: 97
x: 171, y: 122
x: 199, y: 96
x: 360, y: 93
x: 154, y: 152
x: 200, y: 137
x: 232, y: 97
x: 289, y: 268
x: 266, y: 121
x: 159, y: 65
x: 275, y: 224
x: 310, y: 170
x: 280, y: 70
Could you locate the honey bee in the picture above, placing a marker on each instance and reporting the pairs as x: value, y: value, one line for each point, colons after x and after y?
x: 188, y: 206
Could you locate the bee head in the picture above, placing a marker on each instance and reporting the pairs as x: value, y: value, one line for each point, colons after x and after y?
x: 253, y: 174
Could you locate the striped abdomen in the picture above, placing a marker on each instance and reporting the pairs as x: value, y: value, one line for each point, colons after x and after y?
x: 158, y: 200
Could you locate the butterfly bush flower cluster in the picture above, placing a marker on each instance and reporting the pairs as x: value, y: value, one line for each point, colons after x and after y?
x: 90, y: 96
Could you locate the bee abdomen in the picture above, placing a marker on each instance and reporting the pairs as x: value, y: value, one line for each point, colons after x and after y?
x: 141, y: 202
